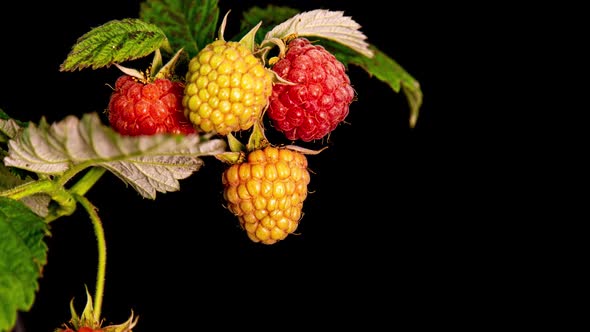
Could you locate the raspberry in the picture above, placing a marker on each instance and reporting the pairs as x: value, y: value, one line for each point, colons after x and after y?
x: 139, y: 108
x: 81, y: 329
x: 227, y: 88
x: 88, y: 329
x: 320, y: 99
x: 266, y: 192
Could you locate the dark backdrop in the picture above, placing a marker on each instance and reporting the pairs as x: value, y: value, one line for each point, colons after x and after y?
x: 382, y: 240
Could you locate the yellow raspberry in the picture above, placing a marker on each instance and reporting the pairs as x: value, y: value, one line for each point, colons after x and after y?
x: 266, y: 192
x: 226, y: 88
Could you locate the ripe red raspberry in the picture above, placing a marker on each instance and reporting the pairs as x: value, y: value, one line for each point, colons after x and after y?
x: 140, y: 108
x: 320, y: 99
x: 82, y: 329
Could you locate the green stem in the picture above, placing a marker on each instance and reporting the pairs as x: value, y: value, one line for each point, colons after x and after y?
x: 28, y: 189
x: 66, y: 204
x: 102, y: 253
x: 90, y: 178
x: 71, y: 172
x: 55, y: 189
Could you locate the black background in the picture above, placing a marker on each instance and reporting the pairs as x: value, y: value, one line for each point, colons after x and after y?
x: 390, y: 230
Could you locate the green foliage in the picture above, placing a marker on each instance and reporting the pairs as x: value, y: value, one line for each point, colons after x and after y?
x: 113, y: 42
x: 386, y: 70
x: 23, y: 254
x: 188, y: 24
x: 389, y: 71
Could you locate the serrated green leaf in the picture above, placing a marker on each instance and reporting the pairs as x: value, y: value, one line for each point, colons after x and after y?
x: 23, y: 254
x: 270, y: 16
x: 389, y: 71
x: 188, y: 24
x: 112, y: 42
x: 386, y: 70
x: 327, y: 24
x: 149, y: 164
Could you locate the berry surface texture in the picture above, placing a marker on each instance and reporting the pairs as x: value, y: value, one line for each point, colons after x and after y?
x: 267, y: 192
x: 320, y: 98
x: 138, y: 108
x: 227, y: 88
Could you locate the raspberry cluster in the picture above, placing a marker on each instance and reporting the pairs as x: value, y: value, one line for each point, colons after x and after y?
x: 306, y: 94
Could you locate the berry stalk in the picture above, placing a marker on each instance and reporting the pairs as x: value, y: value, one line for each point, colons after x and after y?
x: 29, y: 188
x: 102, y: 253
x: 90, y: 178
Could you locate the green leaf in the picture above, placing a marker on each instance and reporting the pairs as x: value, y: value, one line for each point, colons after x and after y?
x: 23, y: 254
x: 114, y: 41
x: 188, y: 24
x: 386, y: 70
x: 270, y: 16
x: 149, y: 164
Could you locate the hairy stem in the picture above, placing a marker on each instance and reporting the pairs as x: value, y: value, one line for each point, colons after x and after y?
x: 102, y: 253
x: 66, y: 204
x: 90, y: 178
x: 71, y: 172
x: 28, y: 189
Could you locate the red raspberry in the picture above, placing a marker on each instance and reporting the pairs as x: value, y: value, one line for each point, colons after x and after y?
x: 82, y: 329
x: 320, y: 99
x: 88, y: 329
x: 138, y: 108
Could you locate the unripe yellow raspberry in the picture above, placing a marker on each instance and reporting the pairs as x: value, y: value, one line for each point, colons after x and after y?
x: 266, y: 192
x: 226, y: 88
